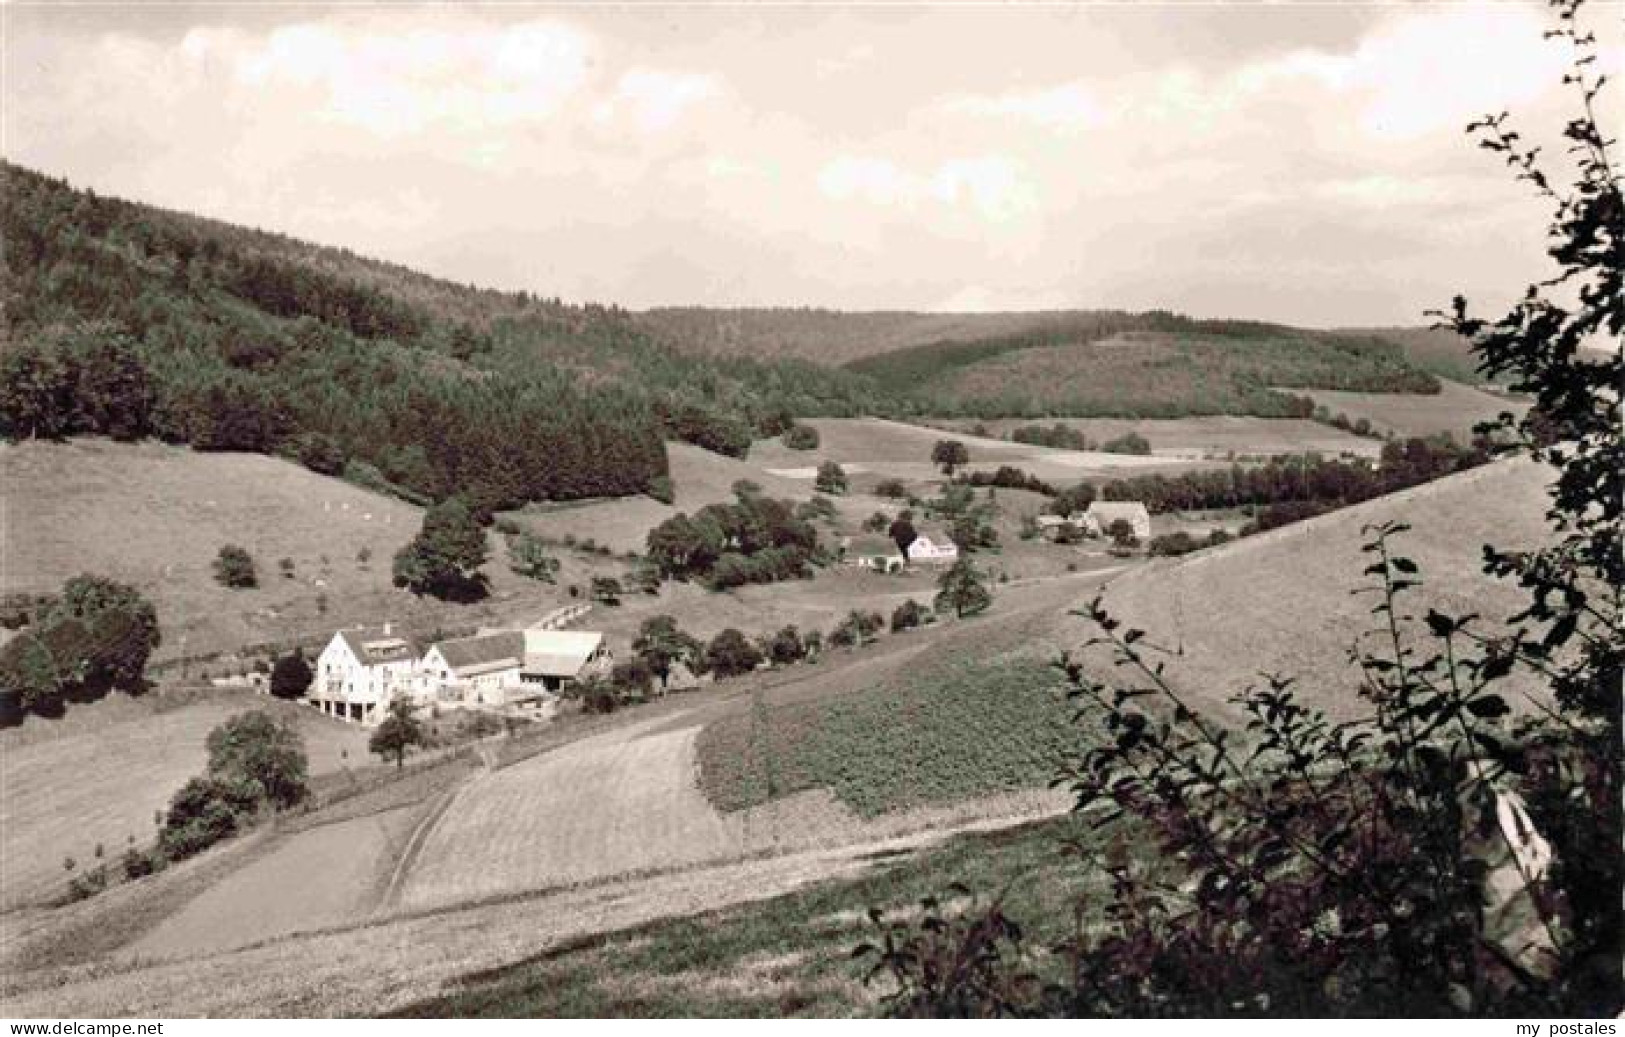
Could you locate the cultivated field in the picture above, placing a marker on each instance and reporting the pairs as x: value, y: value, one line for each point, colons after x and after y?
x: 121, y: 773
x: 1283, y: 602
x: 322, y: 878
x: 1455, y: 409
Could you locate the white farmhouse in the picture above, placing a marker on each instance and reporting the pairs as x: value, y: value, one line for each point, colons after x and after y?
x: 1105, y: 512
x: 933, y: 552
x: 480, y: 670
x: 360, y: 670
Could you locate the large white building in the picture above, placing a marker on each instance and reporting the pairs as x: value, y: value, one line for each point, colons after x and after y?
x: 925, y: 550
x: 360, y: 670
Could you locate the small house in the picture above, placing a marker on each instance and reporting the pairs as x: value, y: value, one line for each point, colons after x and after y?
x: 931, y: 551
x: 874, y: 552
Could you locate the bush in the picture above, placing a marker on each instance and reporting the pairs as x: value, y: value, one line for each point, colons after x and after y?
x: 1170, y: 544
x: 1128, y: 443
x: 893, y: 488
x: 801, y: 437
x: 731, y: 654
x: 907, y: 616
x: 291, y: 676
x: 662, y: 490
x: 528, y: 557
x: 831, y: 478
x: 234, y: 568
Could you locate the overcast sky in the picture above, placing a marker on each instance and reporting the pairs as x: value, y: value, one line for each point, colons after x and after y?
x: 1295, y: 163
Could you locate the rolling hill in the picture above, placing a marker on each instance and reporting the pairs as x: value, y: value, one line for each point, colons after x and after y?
x: 1284, y: 602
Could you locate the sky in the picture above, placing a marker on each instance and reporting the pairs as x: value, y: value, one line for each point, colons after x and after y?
x: 1304, y: 163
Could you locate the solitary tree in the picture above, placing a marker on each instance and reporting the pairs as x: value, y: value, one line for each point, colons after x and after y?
x: 903, y: 533
x: 963, y: 588
x: 443, y: 560
x: 662, y: 645
x: 290, y: 676
x: 831, y: 478
x: 234, y: 567
x: 256, y: 748
x: 730, y: 654
x: 949, y: 454
x: 400, y: 733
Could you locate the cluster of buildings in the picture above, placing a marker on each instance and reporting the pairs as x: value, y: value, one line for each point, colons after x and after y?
x: 1098, y: 519
x: 362, y: 670
x: 877, y: 552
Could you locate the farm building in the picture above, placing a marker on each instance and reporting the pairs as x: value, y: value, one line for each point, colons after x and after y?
x: 874, y: 552
x: 933, y: 551
x: 360, y: 669
x: 1104, y: 512
x: 557, y: 658
x: 476, y: 670
x: 1051, y: 525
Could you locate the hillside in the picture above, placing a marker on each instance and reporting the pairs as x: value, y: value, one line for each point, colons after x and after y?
x: 154, y: 516
x: 1142, y: 365
x: 1283, y: 602
x: 132, y: 321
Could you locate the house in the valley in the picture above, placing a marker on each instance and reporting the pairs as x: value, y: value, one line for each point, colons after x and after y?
x: 1050, y: 526
x: 1106, y: 512
x: 556, y: 659
x: 874, y: 552
x: 360, y: 670
x: 473, y: 671
x: 928, y: 550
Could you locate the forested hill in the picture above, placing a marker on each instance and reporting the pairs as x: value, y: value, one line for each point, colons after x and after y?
x: 128, y: 320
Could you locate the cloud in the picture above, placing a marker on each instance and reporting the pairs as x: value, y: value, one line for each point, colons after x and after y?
x: 468, y: 77
x: 994, y: 186
x: 1067, y: 107
x: 656, y: 100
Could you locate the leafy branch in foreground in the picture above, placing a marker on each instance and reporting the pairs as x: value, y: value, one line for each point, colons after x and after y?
x: 1442, y: 854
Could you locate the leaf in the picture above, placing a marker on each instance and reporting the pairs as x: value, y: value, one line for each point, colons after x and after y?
x: 1441, y: 624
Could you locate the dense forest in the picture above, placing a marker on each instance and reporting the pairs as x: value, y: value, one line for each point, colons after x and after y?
x: 130, y: 321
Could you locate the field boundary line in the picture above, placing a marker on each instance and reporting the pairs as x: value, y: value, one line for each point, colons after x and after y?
x: 417, y: 840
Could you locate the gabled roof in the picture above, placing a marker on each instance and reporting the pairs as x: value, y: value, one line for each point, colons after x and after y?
x: 870, y: 545
x: 374, y: 646
x: 1111, y: 510
x: 468, y: 655
x: 559, y: 653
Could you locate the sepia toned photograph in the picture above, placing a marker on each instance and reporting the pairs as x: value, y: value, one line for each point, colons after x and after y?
x: 830, y: 511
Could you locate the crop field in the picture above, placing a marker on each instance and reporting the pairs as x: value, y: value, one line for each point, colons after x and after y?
x: 122, y: 772
x: 943, y: 733
x: 1456, y: 409
x: 1212, y: 437
x: 321, y: 878
x: 788, y: 956
x: 607, y: 805
x: 1284, y: 602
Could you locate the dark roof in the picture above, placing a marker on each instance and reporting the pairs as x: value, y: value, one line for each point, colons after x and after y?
x: 372, y: 645
x: 870, y: 545
x: 466, y: 652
